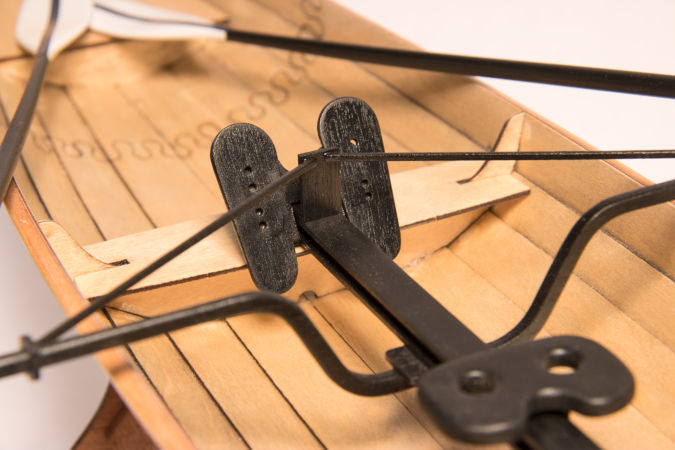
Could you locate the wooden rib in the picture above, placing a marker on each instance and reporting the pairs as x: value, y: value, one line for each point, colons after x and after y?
x: 192, y: 406
x: 144, y: 159
x: 50, y: 177
x: 642, y: 292
x: 650, y: 233
x: 474, y: 109
x: 219, y: 256
x: 493, y: 249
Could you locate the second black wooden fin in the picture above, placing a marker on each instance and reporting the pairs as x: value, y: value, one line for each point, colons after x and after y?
x: 350, y: 125
x: 245, y: 161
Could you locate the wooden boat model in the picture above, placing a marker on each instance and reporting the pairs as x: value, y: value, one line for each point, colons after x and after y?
x: 116, y: 171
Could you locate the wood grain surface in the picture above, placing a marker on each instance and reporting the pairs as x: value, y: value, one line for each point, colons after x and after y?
x: 116, y: 169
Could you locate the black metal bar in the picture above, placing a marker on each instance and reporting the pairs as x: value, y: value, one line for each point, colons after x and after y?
x: 15, y: 137
x: 414, y: 315
x: 37, y: 355
x: 570, y: 252
x: 501, y: 156
x: 180, y: 248
x: 584, y: 77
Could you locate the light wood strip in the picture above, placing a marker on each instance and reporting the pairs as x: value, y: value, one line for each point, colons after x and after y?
x: 649, y: 232
x: 301, y: 105
x: 29, y: 193
x: 516, y: 267
x: 183, y: 122
x: 242, y: 388
x: 194, y: 409
x: 49, y: 175
x: 145, y: 160
x: 642, y: 292
x: 339, y: 418
x: 226, y: 96
x: 107, y: 197
x: 474, y: 109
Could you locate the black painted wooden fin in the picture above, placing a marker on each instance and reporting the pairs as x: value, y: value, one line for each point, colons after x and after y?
x: 350, y: 124
x: 245, y: 160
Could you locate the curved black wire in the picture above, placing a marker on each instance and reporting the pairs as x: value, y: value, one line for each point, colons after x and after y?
x: 35, y: 355
x: 570, y: 252
x: 12, y: 143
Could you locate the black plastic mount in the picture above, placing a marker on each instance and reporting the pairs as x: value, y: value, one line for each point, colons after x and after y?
x: 489, y: 396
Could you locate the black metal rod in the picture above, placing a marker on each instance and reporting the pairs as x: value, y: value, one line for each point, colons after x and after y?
x: 423, y: 324
x: 570, y: 252
x: 554, y: 432
x: 15, y: 137
x: 659, y: 85
x: 502, y: 156
x: 585, y: 77
x: 180, y: 248
x: 34, y: 356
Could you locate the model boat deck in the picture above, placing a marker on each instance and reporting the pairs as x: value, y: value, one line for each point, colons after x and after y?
x: 117, y: 169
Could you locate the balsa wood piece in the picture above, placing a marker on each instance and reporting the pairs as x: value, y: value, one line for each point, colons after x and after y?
x: 219, y: 254
x: 509, y: 141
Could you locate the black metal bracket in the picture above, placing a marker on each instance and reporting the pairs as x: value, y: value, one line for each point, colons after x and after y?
x: 346, y: 216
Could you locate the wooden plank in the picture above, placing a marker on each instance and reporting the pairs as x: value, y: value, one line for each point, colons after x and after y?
x: 649, y: 232
x: 144, y: 159
x: 336, y: 416
x: 176, y: 382
x: 107, y: 197
x: 49, y: 176
x: 217, y: 258
x: 242, y: 388
x: 227, y: 96
x: 607, y: 265
x: 493, y: 250
x: 475, y: 110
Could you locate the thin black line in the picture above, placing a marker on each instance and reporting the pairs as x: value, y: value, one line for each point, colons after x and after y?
x: 140, y: 366
x: 555, y: 155
x: 105, y: 153
x: 274, y: 384
x: 208, y: 391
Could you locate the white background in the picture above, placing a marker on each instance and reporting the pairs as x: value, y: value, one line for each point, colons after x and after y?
x: 627, y: 35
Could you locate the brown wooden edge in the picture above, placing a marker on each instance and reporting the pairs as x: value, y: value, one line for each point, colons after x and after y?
x: 151, y: 412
